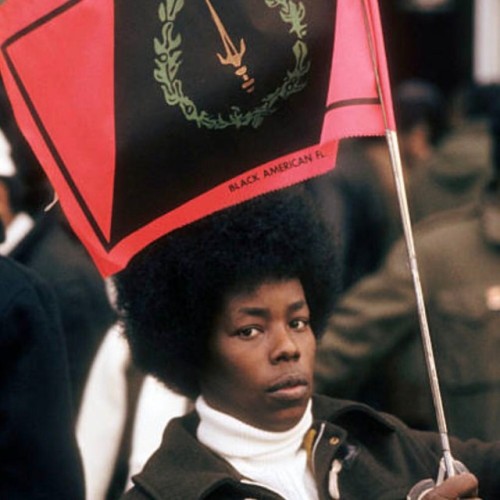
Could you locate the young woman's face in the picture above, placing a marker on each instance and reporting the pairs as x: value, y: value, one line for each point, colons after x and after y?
x: 261, y: 361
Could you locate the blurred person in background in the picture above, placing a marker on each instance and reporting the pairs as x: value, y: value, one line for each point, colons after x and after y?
x: 43, y: 242
x: 40, y: 458
x: 456, y: 172
x: 358, y: 198
x: 422, y: 115
x: 121, y: 419
x: 374, y: 327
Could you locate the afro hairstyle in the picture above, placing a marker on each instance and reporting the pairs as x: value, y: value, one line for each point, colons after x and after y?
x: 171, y: 292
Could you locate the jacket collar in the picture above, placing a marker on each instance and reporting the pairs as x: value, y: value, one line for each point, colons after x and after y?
x: 348, y: 414
x: 183, y: 468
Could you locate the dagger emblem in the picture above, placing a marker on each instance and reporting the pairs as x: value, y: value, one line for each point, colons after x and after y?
x: 232, y: 57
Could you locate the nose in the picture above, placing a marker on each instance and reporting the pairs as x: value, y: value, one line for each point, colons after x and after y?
x: 284, y: 346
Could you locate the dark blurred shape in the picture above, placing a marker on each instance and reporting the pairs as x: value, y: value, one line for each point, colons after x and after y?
x: 429, y: 42
x: 44, y: 242
x: 373, y: 334
x: 427, y: 6
x: 86, y: 314
x: 495, y: 131
x: 461, y: 165
x: 358, y: 198
x: 40, y: 458
x: 418, y: 102
x: 358, y: 203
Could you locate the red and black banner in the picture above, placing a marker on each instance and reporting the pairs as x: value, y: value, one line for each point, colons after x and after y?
x: 149, y: 115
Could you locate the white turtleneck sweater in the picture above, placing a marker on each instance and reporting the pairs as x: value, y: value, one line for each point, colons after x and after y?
x: 276, y: 460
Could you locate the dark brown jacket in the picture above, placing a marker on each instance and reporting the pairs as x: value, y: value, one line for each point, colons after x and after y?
x: 381, y: 459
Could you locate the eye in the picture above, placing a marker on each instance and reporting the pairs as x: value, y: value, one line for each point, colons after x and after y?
x: 299, y: 324
x: 248, y: 332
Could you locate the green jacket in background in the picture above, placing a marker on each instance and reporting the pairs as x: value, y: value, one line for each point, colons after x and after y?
x: 456, y: 174
x: 374, y: 328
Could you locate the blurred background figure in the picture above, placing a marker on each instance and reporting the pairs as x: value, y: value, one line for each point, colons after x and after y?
x: 358, y: 198
x: 373, y: 331
x: 422, y: 120
x: 446, y: 153
x: 456, y: 171
x: 122, y: 416
x: 44, y: 242
x: 40, y: 458
x: 122, y: 419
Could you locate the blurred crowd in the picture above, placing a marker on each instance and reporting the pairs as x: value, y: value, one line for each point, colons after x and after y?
x: 372, y: 350
x: 65, y: 367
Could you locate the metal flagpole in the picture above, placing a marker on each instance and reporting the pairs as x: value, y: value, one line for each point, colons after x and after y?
x: 397, y: 168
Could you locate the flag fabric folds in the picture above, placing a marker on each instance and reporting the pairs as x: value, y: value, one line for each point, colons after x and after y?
x: 149, y: 115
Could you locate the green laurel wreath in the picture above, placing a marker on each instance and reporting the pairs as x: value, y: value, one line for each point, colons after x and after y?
x: 168, y: 61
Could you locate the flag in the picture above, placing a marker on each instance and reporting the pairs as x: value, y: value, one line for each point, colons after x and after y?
x: 149, y: 115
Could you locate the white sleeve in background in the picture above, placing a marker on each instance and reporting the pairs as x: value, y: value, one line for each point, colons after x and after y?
x: 102, y: 413
x: 157, y: 405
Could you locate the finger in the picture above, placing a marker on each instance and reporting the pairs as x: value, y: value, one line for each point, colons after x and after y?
x: 460, y: 486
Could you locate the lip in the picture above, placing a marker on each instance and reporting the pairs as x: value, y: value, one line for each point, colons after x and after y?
x: 289, y: 387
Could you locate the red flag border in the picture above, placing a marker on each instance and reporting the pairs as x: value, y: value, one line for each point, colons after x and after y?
x: 38, y: 121
x: 105, y: 262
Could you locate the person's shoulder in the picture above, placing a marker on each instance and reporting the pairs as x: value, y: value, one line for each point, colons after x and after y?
x: 436, y: 235
x: 53, y: 240
x: 349, y: 413
x: 56, y: 254
x: 17, y: 278
x: 11, y: 269
x: 440, y: 229
x: 448, y: 219
x: 27, y: 303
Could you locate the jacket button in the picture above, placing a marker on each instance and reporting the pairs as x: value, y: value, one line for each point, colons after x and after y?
x: 334, y: 441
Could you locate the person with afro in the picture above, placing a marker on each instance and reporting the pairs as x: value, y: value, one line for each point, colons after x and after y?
x: 228, y: 311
